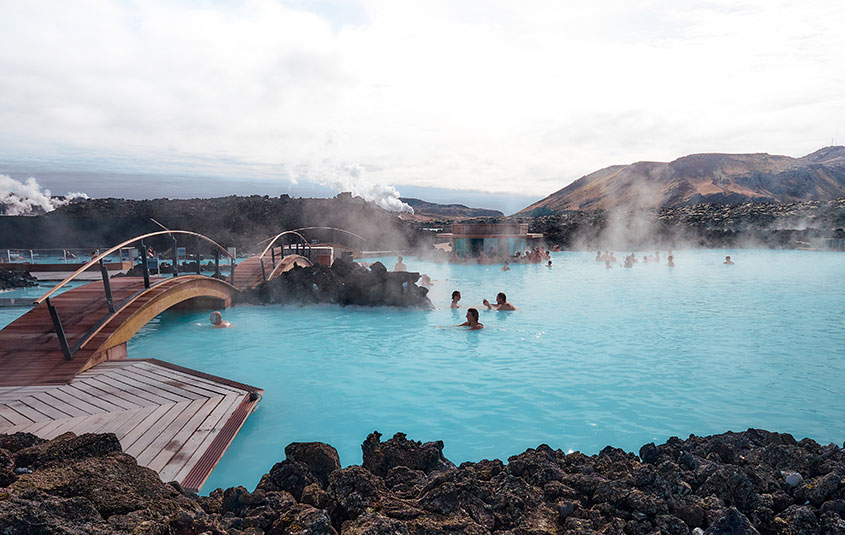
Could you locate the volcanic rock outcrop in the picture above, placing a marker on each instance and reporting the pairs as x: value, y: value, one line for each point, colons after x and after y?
x: 16, y: 279
x: 344, y: 283
x: 735, y: 483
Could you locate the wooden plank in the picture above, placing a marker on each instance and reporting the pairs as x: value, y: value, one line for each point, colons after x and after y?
x: 131, y: 387
x: 177, y: 442
x: 117, y: 393
x: 144, y: 425
x: 190, y: 382
x: 160, y: 387
x: 131, y: 419
x: 100, y: 402
x: 113, y: 399
x: 161, y: 395
x: 202, y: 437
x: 26, y: 411
x: 49, y: 410
x: 67, y: 403
x: 157, y: 428
x: 166, y: 435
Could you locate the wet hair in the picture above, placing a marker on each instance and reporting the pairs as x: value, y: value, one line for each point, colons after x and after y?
x: 455, y: 294
x: 216, y: 317
x: 503, y: 296
x: 473, y: 312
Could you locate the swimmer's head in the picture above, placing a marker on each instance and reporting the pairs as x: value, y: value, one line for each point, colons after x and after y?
x: 550, y: 263
x: 472, y: 314
x: 727, y: 259
x: 456, y: 295
x: 501, y: 298
x: 216, y: 318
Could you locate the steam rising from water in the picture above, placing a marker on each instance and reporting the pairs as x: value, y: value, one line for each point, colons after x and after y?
x: 352, y: 178
x: 28, y: 197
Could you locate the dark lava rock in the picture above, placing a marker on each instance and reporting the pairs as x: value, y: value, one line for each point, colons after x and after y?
x: 67, y: 447
x: 724, y: 484
x: 732, y: 523
x: 345, y: 283
x: 380, y: 457
x: 288, y: 475
x: 7, y: 469
x: 321, y: 458
x: 16, y: 279
x: 18, y: 441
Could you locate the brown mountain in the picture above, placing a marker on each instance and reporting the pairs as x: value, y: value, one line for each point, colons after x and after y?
x: 704, y: 178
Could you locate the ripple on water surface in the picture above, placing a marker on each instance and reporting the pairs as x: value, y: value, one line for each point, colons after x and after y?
x: 592, y: 357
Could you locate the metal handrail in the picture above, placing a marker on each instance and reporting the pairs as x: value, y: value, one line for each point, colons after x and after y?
x: 101, y: 256
x: 276, y: 237
x: 321, y: 228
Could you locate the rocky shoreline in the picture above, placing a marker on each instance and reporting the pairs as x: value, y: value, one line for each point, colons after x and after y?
x: 772, y: 225
x: 733, y: 483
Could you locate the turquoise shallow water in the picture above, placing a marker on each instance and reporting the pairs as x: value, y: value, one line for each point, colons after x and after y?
x: 592, y: 357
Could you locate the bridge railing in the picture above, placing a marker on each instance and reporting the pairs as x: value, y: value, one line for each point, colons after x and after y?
x: 69, y: 350
x: 302, y: 241
x: 302, y: 247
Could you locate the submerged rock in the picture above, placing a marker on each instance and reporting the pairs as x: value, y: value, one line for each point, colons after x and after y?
x: 721, y: 484
x: 344, y: 283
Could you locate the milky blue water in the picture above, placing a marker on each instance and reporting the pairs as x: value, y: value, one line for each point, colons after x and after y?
x: 592, y: 357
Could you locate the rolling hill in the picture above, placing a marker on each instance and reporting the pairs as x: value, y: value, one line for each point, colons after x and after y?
x: 704, y: 178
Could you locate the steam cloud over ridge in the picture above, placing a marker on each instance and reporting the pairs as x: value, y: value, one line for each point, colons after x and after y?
x: 351, y: 178
x: 29, y: 198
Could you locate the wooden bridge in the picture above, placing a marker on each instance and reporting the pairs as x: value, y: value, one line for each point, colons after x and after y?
x: 64, y: 367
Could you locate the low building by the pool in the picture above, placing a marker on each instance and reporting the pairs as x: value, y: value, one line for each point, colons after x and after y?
x: 496, y: 239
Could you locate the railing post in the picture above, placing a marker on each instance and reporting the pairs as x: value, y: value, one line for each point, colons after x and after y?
x: 263, y: 272
x: 198, y: 255
x: 107, y: 286
x: 175, y: 258
x: 273, y: 255
x: 57, y: 325
x: 146, y: 268
x: 216, y: 262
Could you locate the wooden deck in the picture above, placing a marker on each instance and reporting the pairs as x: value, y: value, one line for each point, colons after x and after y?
x: 175, y: 421
x: 30, y: 351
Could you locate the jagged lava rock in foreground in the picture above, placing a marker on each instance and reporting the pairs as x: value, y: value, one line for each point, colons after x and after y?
x: 344, y: 283
x: 734, y: 483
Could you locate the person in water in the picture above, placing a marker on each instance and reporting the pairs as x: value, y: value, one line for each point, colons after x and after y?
x: 400, y: 266
x: 607, y: 264
x: 501, y: 303
x: 671, y: 261
x: 456, y: 297
x: 472, y: 320
x: 549, y: 265
x: 217, y: 320
x: 425, y: 280
x: 505, y: 266
x: 728, y: 261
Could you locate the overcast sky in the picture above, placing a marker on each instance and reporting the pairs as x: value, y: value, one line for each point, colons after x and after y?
x: 498, y: 96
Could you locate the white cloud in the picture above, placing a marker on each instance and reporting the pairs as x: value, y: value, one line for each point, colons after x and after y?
x: 499, y: 96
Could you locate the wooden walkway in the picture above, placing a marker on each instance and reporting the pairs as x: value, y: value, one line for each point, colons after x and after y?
x: 30, y: 350
x: 175, y: 421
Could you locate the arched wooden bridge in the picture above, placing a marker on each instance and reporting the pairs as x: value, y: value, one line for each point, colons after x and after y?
x: 66, y: 334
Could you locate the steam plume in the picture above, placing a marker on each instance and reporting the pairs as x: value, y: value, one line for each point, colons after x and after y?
x: 351, y: 178
x: 28, y: 198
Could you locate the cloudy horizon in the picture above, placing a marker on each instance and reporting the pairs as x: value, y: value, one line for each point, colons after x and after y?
x: 488, y: 97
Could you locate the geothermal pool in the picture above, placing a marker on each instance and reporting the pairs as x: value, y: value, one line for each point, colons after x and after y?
x: 592, y: 357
